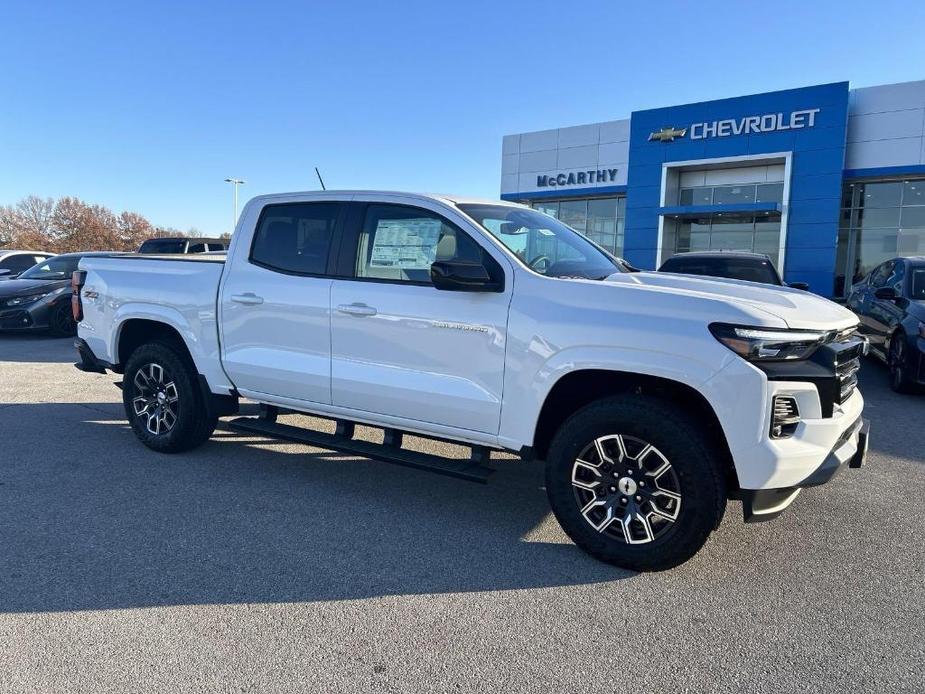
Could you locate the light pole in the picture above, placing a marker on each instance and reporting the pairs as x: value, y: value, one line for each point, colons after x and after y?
x: 235, y: 182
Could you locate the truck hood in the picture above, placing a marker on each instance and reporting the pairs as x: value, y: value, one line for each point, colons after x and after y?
x: 796, y: 307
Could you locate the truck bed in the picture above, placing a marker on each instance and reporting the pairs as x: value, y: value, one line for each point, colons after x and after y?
x: 179, y: 290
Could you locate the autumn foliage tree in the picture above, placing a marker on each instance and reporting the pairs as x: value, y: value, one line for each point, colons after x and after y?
x: 69, y: 224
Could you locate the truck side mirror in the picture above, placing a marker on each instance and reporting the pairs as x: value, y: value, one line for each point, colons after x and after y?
x: 455, y: 276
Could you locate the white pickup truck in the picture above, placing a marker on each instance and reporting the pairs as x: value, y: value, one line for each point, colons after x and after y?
x: 653, y: 398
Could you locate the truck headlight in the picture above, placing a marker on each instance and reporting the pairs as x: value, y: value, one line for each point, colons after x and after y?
x: 769, y: 344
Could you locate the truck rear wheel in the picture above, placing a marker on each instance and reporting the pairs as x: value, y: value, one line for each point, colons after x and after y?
x: 635, y: 483
x: 162, y: 401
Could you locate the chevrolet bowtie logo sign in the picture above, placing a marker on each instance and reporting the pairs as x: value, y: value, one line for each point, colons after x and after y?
x: 667, y: 134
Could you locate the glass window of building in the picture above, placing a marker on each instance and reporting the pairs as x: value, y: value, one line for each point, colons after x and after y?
x: 696, y: 196
x: 879, y: 220
x: 770, y: 192
x: 733, y: 195
x: 599, y: 219
x: 881, y: 195
x: 574, y: 213
x: 728, y: 233
x: 550, y: 208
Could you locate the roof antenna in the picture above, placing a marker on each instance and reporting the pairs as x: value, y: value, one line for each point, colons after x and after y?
x: 320, y: 180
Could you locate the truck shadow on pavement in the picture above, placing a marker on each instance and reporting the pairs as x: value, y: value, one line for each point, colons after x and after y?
x: 90, y: 519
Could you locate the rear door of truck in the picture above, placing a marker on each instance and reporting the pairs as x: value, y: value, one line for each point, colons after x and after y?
x: 275, y: 302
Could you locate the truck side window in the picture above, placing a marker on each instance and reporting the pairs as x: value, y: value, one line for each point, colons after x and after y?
x: 401, y: 243
x: 295, y: 238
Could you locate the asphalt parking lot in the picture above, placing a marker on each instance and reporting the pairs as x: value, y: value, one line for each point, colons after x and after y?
x: 256, y: 566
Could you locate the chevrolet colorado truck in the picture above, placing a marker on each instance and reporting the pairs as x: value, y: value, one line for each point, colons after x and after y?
x: 653, y: 398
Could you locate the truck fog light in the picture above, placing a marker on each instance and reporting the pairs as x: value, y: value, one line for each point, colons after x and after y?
x: 785, y: 416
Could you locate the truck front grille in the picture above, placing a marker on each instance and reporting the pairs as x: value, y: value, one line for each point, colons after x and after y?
x: 847, y: 375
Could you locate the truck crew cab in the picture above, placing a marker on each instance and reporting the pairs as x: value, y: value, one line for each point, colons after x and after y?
x: 652, y: 397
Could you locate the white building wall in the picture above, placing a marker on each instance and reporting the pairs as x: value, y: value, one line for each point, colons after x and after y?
x: 886, y: 126
x: 576, y: 149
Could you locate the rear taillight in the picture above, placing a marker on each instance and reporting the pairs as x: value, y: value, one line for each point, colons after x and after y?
x: 78, y: 277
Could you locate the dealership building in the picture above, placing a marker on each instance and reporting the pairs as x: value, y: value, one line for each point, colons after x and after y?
x: 828, y: 181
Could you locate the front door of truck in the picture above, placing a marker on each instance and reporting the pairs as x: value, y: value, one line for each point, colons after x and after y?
x: 275, y: 303
x: 400, y: 346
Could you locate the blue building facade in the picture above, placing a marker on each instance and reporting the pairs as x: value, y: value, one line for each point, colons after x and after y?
x: 825, y: 180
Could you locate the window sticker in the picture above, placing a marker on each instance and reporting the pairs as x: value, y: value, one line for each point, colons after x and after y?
x: 409, y: 244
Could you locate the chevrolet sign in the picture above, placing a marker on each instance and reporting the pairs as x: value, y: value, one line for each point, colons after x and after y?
x: 667, y: 134
x: 767, y: 123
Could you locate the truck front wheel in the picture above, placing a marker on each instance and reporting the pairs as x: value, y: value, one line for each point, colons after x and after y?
x: 634, y: 482
x: 162, y: 401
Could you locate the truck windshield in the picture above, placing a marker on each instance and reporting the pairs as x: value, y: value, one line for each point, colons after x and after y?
x: 543, y: 243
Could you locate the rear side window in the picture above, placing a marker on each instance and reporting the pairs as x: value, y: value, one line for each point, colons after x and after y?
x: 196, y: 248
x: 162, y: 246
x: 295, y: 238
x: 401, y: 243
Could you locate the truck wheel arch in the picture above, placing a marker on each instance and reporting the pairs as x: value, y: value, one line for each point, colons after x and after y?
x: 578, y: 388
x: 135, y: 332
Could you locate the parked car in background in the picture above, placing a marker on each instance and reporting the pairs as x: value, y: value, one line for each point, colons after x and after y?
x: 652, y: 397
x: 40, y: 298
x: 13, y: 263
x: 183, y: 244
x: 890, y: 303
x: 736, y: 265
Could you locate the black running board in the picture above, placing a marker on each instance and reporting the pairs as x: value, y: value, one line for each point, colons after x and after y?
x: 465, y: 469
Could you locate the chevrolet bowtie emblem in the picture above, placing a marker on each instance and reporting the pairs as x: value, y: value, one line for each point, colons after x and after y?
x: 667, y: 134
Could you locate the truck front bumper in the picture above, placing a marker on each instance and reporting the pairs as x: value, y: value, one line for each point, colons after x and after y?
x: 851, y: 449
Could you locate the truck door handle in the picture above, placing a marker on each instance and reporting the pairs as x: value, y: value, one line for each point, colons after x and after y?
x: 248, y: 299
x: 356, y: 310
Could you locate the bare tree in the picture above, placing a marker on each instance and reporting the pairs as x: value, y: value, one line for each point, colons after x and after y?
x: 36, y: 214
x: 69, y: 224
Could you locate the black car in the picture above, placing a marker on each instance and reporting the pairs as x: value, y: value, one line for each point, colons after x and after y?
x: 40, y: 298
x: 736, y: 265
x: 890, y: 303
x: 183, y: 244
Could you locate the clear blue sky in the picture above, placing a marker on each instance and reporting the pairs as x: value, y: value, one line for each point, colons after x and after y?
x: 149, y: 106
